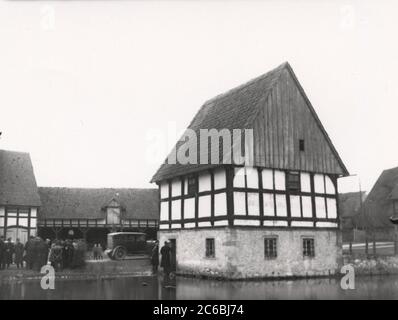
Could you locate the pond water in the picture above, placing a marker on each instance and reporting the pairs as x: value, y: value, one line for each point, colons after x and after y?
x: 151, y: 288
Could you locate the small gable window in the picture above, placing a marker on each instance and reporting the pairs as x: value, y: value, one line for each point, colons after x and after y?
x: 301, y: 145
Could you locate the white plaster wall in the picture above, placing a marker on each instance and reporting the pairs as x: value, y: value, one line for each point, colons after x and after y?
x: 268, y: 179
x: 295, y: 208
x: 176, y: 187
x: 239, y: 178
x: 268, y: 204
x: 240, y: 222
x: 274, y: 223
x: 204, y: 206
x: 176, y: 210
x: 319, y: 183
x: 253, y: 203
x: 33, y: 212
x: 332, y: 208
x: 204, y: 182
x: 325, y: 224
x: 240, y: 252
x: 220, y: 204
x: 330, y: 189
x: 164, y: 190
x: 220, y: 181
x: 189, y: 208
x: 191, y: 249
x: 320, y: 207
x: 290, y: 261
x: 281, y: 205
x: 164, y: 211
x: 204, y: 224
x: 221, y: 223
x: 190, y: 225
x: 252, y: 178
x: 307, y: 206
x: 302, y: 224
x: 239, y: 203
x: 279, y: 180
x: 305, y: 182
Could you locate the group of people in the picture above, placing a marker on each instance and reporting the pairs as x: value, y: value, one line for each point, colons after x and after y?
x: 10, y: 253
x: 38, y: 252
x: 98, y: 252
x: 67, y: 254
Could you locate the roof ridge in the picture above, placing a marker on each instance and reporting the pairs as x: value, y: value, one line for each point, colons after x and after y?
x: 390, y: 169
x: 247, y: 83
x: 13, y: 151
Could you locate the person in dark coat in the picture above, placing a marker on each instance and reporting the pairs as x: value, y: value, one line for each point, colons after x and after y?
x: 8, y: 252
x: 42, y: 254
x: 155, y: 257
x: 165, y: 263
x: 37, y: 253
x: 79, y: 253
x: 2, y: 249
x: 29, y: 250
x: 100, y: 252
x: 18, y: 250
x: 67, y: 254
x: 56, y: 256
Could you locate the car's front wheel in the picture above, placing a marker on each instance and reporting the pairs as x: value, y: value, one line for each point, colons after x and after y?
x: 120, y: 253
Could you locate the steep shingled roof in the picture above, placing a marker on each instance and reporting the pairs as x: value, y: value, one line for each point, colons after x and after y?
x: 235, y: 109
x: 394, y: 193
x: 88, y: 203
x: 378, y: 205
x: 17, y: 180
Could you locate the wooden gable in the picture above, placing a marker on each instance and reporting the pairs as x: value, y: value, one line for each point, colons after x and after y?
x: 287, y: 119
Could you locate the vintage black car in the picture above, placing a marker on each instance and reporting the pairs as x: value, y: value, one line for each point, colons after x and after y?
x: 121, y: 244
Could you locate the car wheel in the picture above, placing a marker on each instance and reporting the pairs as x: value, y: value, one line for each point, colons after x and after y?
x: 120, y: 253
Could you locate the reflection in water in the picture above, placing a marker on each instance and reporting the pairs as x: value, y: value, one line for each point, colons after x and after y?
x: 142, y: 288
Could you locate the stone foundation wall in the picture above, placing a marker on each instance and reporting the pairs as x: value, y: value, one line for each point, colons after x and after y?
x: 240, y: 252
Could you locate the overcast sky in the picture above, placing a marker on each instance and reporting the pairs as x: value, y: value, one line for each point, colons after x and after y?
x: 84, y: 83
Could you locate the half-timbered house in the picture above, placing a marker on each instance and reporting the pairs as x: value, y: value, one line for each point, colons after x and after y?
x: 51, y: 212
x: 19, y: 198
x: 278, y: 216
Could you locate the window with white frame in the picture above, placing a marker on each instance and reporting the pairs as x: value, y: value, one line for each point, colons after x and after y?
x: 20, y: 218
